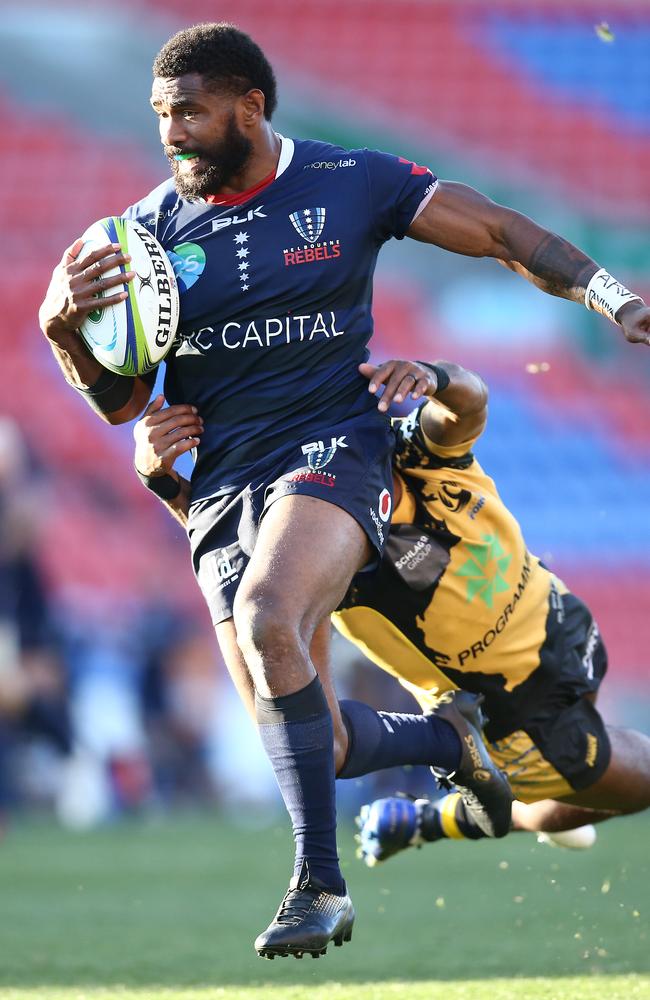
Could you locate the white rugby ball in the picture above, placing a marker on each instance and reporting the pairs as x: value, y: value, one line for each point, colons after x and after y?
x: 132, y: 337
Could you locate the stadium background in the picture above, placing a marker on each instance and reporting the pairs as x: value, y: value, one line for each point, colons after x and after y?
x: 100, y: 619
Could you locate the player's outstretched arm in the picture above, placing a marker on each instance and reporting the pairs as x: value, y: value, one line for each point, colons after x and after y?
x: 161, y: 436
x: 70, y: 297
x: 462, y: 220
x: 462, y: 393
x: 463, y: 413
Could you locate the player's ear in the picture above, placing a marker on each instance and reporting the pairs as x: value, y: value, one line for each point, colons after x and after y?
x: 252, y: 107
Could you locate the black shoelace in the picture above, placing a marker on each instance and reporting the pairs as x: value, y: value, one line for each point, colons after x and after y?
x: 296, y: 905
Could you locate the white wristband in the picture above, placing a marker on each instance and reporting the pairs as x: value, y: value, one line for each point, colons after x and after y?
x: 606, y: 295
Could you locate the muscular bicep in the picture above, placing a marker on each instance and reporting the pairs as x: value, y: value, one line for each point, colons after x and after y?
x: 463, y: 220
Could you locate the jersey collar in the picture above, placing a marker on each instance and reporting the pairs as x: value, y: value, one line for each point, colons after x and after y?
x: 286, y: 156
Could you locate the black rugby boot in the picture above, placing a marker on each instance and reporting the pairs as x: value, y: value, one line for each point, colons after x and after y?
x: 484, y: 789
x: 309, y: 918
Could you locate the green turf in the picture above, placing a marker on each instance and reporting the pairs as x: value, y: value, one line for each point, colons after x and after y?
x: 168, y: 911
x: 574, y: 988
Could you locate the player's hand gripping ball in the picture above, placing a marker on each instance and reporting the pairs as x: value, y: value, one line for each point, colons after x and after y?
x: 134, y: 335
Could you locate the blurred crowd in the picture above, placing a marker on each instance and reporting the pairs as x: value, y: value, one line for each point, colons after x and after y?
x: 125, y: 708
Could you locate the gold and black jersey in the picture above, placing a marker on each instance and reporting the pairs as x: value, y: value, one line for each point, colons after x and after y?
x: 458, y: 600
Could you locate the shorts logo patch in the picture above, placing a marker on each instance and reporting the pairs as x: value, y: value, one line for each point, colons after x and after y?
x: 592, y: 750
x: 322, y: 478
x: 385, y: 505
x: 378, y: 525
x: 220, y: 569
x: 318, y: 459
x: 318, y: 455
x: 590, y: 648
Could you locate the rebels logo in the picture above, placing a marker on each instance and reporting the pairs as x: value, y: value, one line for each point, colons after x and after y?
x: 309, y: 254
x: 322, y: 478
x: 309, y: 222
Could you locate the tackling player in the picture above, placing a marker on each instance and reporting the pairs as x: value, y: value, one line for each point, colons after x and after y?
x: 460, y: 602
x: 275, y: 257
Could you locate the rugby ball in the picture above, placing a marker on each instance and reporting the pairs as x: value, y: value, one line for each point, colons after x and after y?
x: 134, y: 336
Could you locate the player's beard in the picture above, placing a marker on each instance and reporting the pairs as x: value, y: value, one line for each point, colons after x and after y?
x: 224, y: 159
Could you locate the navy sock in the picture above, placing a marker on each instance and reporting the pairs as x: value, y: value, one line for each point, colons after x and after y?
x: 297, y: 734
x: 391, y: 739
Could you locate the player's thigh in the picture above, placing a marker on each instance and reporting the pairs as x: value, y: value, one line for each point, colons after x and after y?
x: 306, y: 553
x: 625, y: 785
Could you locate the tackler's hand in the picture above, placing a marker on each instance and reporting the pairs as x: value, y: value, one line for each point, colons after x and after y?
x: 162, y: 434
x: 400, y: 380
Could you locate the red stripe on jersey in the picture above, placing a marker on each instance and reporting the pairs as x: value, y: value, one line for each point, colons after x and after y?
x: 414, y: 167
x: 239, y: 199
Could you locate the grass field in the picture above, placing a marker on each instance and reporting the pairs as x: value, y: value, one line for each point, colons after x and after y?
x: 168, y: 911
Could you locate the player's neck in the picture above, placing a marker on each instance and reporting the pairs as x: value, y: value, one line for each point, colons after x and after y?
x: 259, y: 169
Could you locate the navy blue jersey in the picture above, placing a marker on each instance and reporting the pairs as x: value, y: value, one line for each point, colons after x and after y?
x: 276, y: 298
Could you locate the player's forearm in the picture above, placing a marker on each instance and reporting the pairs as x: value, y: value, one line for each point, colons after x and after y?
x: 115, y: 398
x: 466, y: 392
x: 77, y: 364
x: 547, y: 260
x: 464, y: 400
x: 559, y: 268
x: 180, y: 505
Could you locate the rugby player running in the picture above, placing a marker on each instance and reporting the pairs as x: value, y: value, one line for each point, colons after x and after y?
x: 275, y: 258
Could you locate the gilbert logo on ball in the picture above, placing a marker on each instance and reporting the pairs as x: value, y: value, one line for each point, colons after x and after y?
x: 134, y: 336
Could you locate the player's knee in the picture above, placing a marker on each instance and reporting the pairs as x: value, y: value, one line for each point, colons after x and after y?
x: 265, y: 634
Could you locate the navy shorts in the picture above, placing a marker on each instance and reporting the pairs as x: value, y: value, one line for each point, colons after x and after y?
x: 348, y: 465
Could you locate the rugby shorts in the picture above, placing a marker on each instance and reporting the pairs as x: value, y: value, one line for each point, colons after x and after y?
x: 348, y: 465
x: 561, y: 744
x: 564, y: 746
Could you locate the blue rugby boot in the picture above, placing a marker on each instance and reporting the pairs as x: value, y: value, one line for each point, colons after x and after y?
x: 388, y: 826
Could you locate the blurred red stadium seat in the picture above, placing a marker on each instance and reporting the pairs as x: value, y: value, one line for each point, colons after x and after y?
x: 426, y: 68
